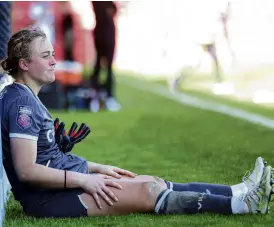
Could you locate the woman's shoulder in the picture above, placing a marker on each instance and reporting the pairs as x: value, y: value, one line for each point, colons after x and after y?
x: 17, y: 93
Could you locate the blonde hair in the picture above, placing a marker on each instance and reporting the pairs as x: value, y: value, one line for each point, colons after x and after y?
x: 19, y: 47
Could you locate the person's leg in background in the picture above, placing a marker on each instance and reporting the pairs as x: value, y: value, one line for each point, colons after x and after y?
x: 109, y: 84
x: 220, y: 86
x: 211, y: 49
x: 189, y: 69
x: 94, y: 78
x: 111, y: 103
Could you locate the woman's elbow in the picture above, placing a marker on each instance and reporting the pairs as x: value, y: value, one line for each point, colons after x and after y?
x: 25, y: 174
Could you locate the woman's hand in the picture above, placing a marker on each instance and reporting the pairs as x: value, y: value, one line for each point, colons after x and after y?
x: 96, y: 186
x: 114, y: 171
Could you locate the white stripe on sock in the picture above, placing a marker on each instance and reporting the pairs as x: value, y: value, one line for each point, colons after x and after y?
x: 171, y: 186
x: 238, y: 206
x: 239, y: 189
x: 159, y: 203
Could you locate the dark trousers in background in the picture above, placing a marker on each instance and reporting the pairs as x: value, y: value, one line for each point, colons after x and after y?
x: 105, y: 51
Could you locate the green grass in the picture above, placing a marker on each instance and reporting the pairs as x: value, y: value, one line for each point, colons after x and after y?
x: 201, y: 85
x: 156, y: 136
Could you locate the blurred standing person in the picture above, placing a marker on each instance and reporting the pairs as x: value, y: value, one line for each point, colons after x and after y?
x: 216, y: 28
x: 225, y: 16
x: 5, y: 32
x: 210, y: 25
x: 104, y: 40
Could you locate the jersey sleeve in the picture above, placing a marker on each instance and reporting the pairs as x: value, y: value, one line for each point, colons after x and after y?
x: 24, y: 118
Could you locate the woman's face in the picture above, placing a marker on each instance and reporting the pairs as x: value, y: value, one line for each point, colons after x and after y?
x: 41, y: 67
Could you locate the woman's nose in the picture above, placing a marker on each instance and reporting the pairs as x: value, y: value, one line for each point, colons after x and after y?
x: 52, y: 61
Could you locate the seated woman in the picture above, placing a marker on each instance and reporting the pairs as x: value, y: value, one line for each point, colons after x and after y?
x: 50, y: 183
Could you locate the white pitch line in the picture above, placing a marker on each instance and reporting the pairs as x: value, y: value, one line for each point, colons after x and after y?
x: 201, y: 103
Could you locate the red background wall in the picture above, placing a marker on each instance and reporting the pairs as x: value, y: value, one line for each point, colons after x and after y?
x: 83, y: 49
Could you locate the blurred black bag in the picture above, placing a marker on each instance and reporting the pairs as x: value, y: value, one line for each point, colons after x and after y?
x: 53, y: 96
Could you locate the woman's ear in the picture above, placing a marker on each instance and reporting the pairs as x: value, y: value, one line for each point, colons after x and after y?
x: 23, y: 64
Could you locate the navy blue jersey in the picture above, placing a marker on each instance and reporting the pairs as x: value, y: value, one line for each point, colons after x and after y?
x: 24, y: 116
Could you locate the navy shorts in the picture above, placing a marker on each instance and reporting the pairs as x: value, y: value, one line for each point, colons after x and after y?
x: 56, y: 203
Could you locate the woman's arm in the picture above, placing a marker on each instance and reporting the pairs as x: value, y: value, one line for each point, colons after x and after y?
x: 24, y: 153
x: 93, y: 167
x: 109, y: 170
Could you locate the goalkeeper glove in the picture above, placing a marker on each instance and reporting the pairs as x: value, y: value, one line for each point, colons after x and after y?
x: 67, y: 141
x: 60, y: 134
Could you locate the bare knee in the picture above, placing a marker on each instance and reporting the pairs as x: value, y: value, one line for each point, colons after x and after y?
x: 136, y: 196
x: 161, y: 182
x: 147, y: 178
x: 151, y: 190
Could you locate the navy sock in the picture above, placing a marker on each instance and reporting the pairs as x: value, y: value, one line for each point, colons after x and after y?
x: 215, y: 189
x: 172, y: 202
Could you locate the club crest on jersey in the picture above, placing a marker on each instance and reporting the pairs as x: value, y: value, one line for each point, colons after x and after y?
x: 24, y: 117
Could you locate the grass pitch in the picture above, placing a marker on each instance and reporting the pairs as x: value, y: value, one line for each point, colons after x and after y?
x: 156, y: 136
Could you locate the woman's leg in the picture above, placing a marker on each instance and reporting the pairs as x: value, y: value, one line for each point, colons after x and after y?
x: 138, y: 195
x: 215, y: 189
x: 147, y: 194
x: 249, y: 182
x: 150, y: 194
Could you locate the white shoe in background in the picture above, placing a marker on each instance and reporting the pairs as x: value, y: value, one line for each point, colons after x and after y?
x: 94, y: 105
x: 112, y: 104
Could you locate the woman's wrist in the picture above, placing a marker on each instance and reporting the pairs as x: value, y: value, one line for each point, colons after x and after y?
x: 93, y: 167
x: 74, y: 179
